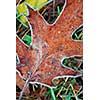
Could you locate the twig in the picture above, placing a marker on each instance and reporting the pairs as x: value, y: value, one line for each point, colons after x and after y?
x: 19, y: 30
x: 53, y: 7
x: 25, y: 33
x: 21, y: 93
x: 29, y: 75
x: 74, y: 92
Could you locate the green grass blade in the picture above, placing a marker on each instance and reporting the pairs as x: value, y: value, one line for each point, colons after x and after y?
x: 58, y: 10
x: 28, y: 39
x: 53, y: 94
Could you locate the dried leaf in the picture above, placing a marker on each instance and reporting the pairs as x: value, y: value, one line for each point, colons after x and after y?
x: 49, y: 45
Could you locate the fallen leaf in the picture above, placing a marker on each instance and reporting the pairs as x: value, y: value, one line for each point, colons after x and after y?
x: 50, y: 44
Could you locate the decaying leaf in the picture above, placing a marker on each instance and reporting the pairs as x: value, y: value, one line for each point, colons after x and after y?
x: 49, y: 45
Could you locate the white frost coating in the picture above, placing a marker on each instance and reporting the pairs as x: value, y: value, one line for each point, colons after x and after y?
x: 65, y: 76
x: 42, y: 84
x: 20, y: 75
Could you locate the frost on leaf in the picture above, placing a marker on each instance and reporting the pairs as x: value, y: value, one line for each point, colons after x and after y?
x: 50, y: 43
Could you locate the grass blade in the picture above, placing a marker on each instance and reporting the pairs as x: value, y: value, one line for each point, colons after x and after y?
x: 53, y: 94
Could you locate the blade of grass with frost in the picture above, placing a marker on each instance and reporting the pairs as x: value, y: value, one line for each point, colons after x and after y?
x: 58, y: 10
x: 20, y: 20
x: 53, y: 94
x: 76, y: 36
x: 20, y: 14
x: 81, y: 35
x: 22, y: 23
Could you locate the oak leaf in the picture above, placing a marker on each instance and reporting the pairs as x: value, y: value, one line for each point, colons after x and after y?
x: 50, y: 44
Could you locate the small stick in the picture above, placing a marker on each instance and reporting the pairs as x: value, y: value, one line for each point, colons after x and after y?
x: 74, y: 92
x: 19, y: 30
x: 53, y: 7
x: 21, y: 94
x: 26, y: 33
x: 45, y: 10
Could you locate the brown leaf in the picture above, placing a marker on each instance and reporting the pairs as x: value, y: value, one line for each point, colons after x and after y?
x: 50, y: 44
